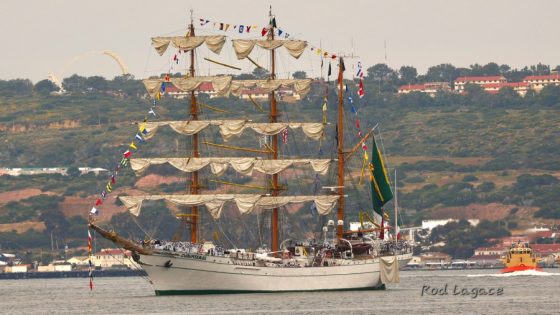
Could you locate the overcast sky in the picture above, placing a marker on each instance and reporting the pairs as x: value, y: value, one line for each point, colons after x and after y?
x: 45, y: 36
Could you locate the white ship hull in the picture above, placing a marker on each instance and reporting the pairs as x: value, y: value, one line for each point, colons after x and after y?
x: 201, y: 274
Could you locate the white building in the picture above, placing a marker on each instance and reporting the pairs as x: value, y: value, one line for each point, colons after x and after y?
x: 430, y: 88
x: 519, y: 87
x: 16, y: 268
x: 482, y: 80
x: 496, y: 250
x: 538, y: 82
x: 55, y: 267
x: 430, y: 224
x: 48, y: 170
x: 204, y: 88
x: 113, y: 257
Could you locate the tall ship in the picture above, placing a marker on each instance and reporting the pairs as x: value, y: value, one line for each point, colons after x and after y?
x: 337, y: 259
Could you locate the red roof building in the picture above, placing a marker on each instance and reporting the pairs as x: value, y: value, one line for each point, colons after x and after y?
x: 204, y: 88
x: 538, y: 82
x: 494, y: 88
x: 546, y: 249
x: 482, y: 80
x: 506, y: 241
x: 494, y: 250
x: 430, y: 88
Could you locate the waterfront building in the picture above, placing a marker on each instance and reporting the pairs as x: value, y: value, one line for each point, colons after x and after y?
x: 435, y: 259
x: 113, y: 258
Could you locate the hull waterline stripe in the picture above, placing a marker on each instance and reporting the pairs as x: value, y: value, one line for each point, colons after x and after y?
x: 206, y: 292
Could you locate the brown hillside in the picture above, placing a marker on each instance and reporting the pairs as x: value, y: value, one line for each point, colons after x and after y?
x: 73, y: 205
x: 153, y: 180
x: 17, y: 195
x: 491, y: 212
x: 22, y: 227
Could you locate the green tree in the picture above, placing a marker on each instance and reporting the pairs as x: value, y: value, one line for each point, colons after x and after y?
x: 16, y: 87
x: 73, y: 172
x: 507, y: 97
x: 97, y: 83
x: 504, y: 70
x: 486, y: 187
x: 75, y: 83
x: 445, y: 72
x: 549, y: 96
x: 261, y: 73
x: 408, y: 74
x: 491, y: 68
x: 299, y: 75
x: 540, y: 69
x: 128, y: 85
x: 45, y: 87
x: 383, y: 77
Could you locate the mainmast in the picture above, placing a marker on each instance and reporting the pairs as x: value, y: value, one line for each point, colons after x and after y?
x: 273, y: 118
x: 195, y: 153
x: 340, y: 135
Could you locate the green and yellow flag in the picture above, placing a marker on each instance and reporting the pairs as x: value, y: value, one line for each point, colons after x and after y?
x: 380, y: 185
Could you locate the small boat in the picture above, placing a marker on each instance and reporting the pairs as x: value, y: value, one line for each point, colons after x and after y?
x: 520, y: 257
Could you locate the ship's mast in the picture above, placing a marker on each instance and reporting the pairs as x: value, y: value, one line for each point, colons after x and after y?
x: 273, y: 118
x: 396, y: 209
x: 195, y: 153
x: 340, y: 135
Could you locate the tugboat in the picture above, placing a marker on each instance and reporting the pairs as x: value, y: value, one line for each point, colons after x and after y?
x: 520, y: 257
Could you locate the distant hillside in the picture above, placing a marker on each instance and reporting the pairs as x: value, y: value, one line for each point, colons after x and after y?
x: 460, y: 156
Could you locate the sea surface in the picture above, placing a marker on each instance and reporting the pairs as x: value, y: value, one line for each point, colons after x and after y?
x: 419, y: 292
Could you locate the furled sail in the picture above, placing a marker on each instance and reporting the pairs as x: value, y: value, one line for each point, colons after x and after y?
x: 224, y: 85
x: 187, y: 43
x: 243, y: 47
x: 218, y: 166
x: 229, y: 128
x: 301, y: 86
x: 220, y: 84
x: 246, y: 203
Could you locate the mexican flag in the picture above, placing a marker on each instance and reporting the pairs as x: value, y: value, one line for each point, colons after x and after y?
x: 380, y: 185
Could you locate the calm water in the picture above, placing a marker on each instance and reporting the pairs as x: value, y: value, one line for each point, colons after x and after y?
x: 522, y: 294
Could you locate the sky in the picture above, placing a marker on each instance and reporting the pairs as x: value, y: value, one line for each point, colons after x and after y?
x: 66, y: 36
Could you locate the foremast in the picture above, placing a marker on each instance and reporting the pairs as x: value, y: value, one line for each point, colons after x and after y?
x: 194, y: 189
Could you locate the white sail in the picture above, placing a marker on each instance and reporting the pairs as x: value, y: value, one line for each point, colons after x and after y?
x: 244, y: 166
x: 229, y: 128
x: 243, y: 47
x: 301, y: 86
x: 246, y: 203
x: 224, y: 85
x: 221, y: 84
x: 188, y: 43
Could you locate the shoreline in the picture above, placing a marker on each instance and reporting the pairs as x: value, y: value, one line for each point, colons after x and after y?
x: 72, y: 274
x: 142, y: 273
